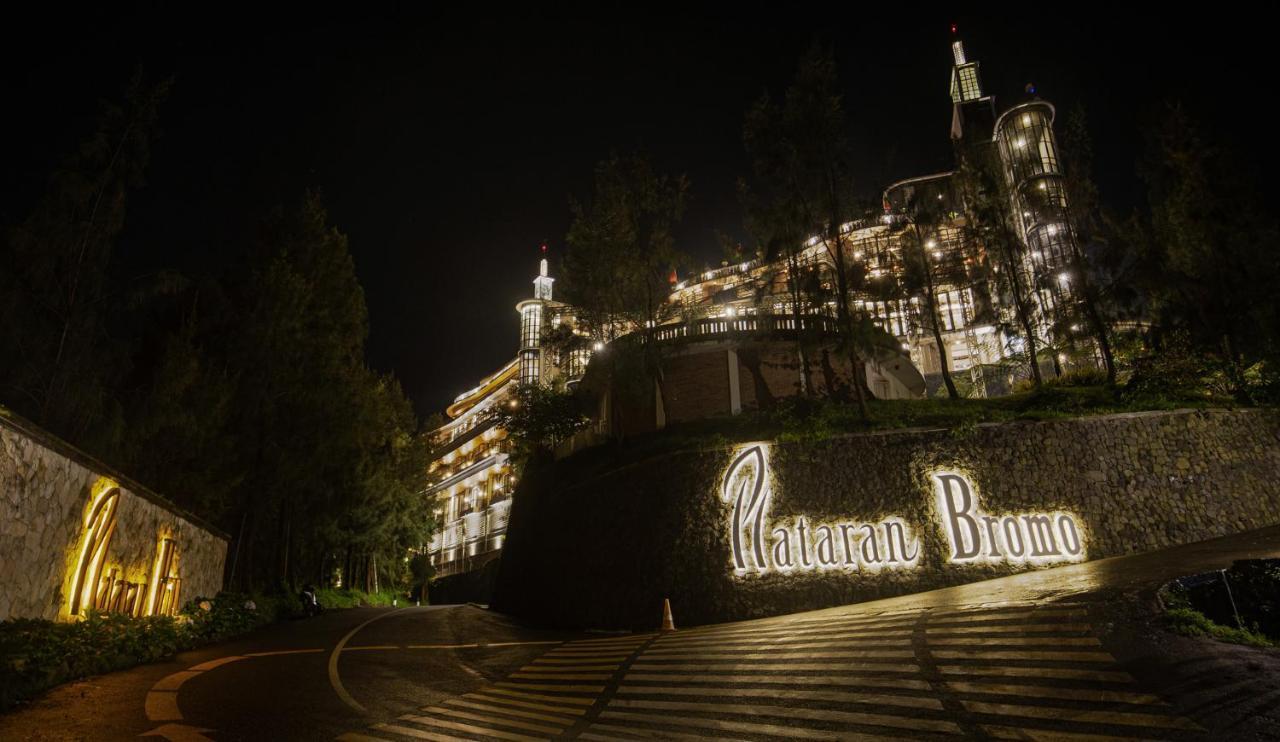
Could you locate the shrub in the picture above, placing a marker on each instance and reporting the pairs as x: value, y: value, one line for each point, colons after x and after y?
x: 1085, y: 376
x: 1190, y: 622
x: 36, y: 654
x: 331, y: 598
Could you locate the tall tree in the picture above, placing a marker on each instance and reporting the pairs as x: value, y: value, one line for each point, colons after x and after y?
x: 1086, y: 227
x: 778, y: 223
x: 621, y: 255
x: 62, y: 364
x: 1210, y: 251
x: 927, y: 265
x: 800, y: 147
x: 992, y: 225
x: 317, y: 428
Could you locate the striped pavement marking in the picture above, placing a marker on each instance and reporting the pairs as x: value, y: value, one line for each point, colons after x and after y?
x: 1003, y: 672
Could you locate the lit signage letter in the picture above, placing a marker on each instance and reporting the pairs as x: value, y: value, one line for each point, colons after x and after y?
x: 99, y: 525
x: 962, y: 528
x: 896, y: 529
x: 782, y: 549
x: 92, y: 590
x: 1070, y: 536
x: 826, y: 547
x: 759, y: 543
x: 1036, y: 538
x: 746, y: 486
x: 1040, y: 534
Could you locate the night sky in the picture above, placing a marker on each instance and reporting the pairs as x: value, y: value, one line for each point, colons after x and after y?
x: 447, y: 147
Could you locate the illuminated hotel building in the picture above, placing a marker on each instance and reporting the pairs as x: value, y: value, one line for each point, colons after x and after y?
x: 472, y: 471
x: 732, y: 330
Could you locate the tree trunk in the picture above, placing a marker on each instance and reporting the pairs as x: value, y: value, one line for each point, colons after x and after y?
x: 1102, y: 336
x: 793, y: 276
x: 944, y: 362
x: 1023, y: 317
x: 860, y: 384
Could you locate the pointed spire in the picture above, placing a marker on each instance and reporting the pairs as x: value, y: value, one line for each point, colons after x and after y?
x: 542, y: 284
x: 965, y: 83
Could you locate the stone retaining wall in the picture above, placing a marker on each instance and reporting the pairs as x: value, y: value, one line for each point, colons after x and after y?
x: 46, y: 492
x: 599, y: 545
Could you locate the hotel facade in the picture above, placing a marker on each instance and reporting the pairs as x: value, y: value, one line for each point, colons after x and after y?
x: 732, y: 331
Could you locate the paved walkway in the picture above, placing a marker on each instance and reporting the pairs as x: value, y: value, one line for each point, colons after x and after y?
x: 1018, y: 657
x: 1007, y: 673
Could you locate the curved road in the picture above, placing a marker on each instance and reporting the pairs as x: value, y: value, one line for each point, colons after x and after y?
x: 283, y: 681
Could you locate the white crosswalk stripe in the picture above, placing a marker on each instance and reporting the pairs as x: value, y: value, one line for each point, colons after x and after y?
x: 1031, y: 673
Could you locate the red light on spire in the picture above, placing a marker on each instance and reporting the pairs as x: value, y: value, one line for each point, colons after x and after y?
x: 544, y: 247
x: 953, y: 28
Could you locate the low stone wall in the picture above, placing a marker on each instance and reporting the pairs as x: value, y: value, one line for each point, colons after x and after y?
x: 63, y: 515
x: 597, y: 544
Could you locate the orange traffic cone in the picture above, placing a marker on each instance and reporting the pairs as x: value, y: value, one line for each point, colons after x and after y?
x: 667, y: 623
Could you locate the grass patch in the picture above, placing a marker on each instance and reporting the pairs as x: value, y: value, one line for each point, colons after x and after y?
x: 331, y: 598
x: 799, y: 419
x: 1190, y: 622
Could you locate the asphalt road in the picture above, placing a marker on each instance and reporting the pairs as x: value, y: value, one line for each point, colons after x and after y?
x: 308, y: 679
x: 1046, y: 655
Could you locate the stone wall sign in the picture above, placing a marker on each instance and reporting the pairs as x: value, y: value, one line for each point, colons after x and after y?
x: 760, y: 544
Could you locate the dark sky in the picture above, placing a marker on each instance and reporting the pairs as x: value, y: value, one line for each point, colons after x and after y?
x: 447, y: 147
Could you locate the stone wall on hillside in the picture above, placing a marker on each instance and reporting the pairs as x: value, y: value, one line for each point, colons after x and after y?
x: 599, y: 545
x: 48, y: 493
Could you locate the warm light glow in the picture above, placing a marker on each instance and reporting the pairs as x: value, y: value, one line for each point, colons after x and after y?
x: 99, y: 525
x: 802, y: 544
x: 119, y: 590
x: 974, y: 536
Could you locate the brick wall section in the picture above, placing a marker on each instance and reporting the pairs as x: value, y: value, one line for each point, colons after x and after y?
x: 696, y: 384
x: 599, y: 543
x: 771, y: 371
x: 697, y: 377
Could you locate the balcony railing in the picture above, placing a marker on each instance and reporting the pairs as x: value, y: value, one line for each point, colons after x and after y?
x: 708, y: 327
x: 471, y: 541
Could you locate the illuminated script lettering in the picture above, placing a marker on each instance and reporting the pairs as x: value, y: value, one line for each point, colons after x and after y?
x: 760, y: 544
x: 975, y: 536
x: 98, y: 586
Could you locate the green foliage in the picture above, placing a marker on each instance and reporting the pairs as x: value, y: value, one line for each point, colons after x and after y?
x: 622, y: 247
x: 1190, y: 622
x: 618, y: 268
x: 803, y: 419
x: 542, y: 416
x: 36, y: 654
x: 245, y: 397
x: 1208, y: 251
x: 1178, y: 370
x: 331, y: 598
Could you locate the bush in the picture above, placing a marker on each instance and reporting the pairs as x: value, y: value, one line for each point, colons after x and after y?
x: 36, y: 654
x: 1190, y: 622
x: 1085, y: 376
x: 1178, y: 371
x: 331, y: 598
